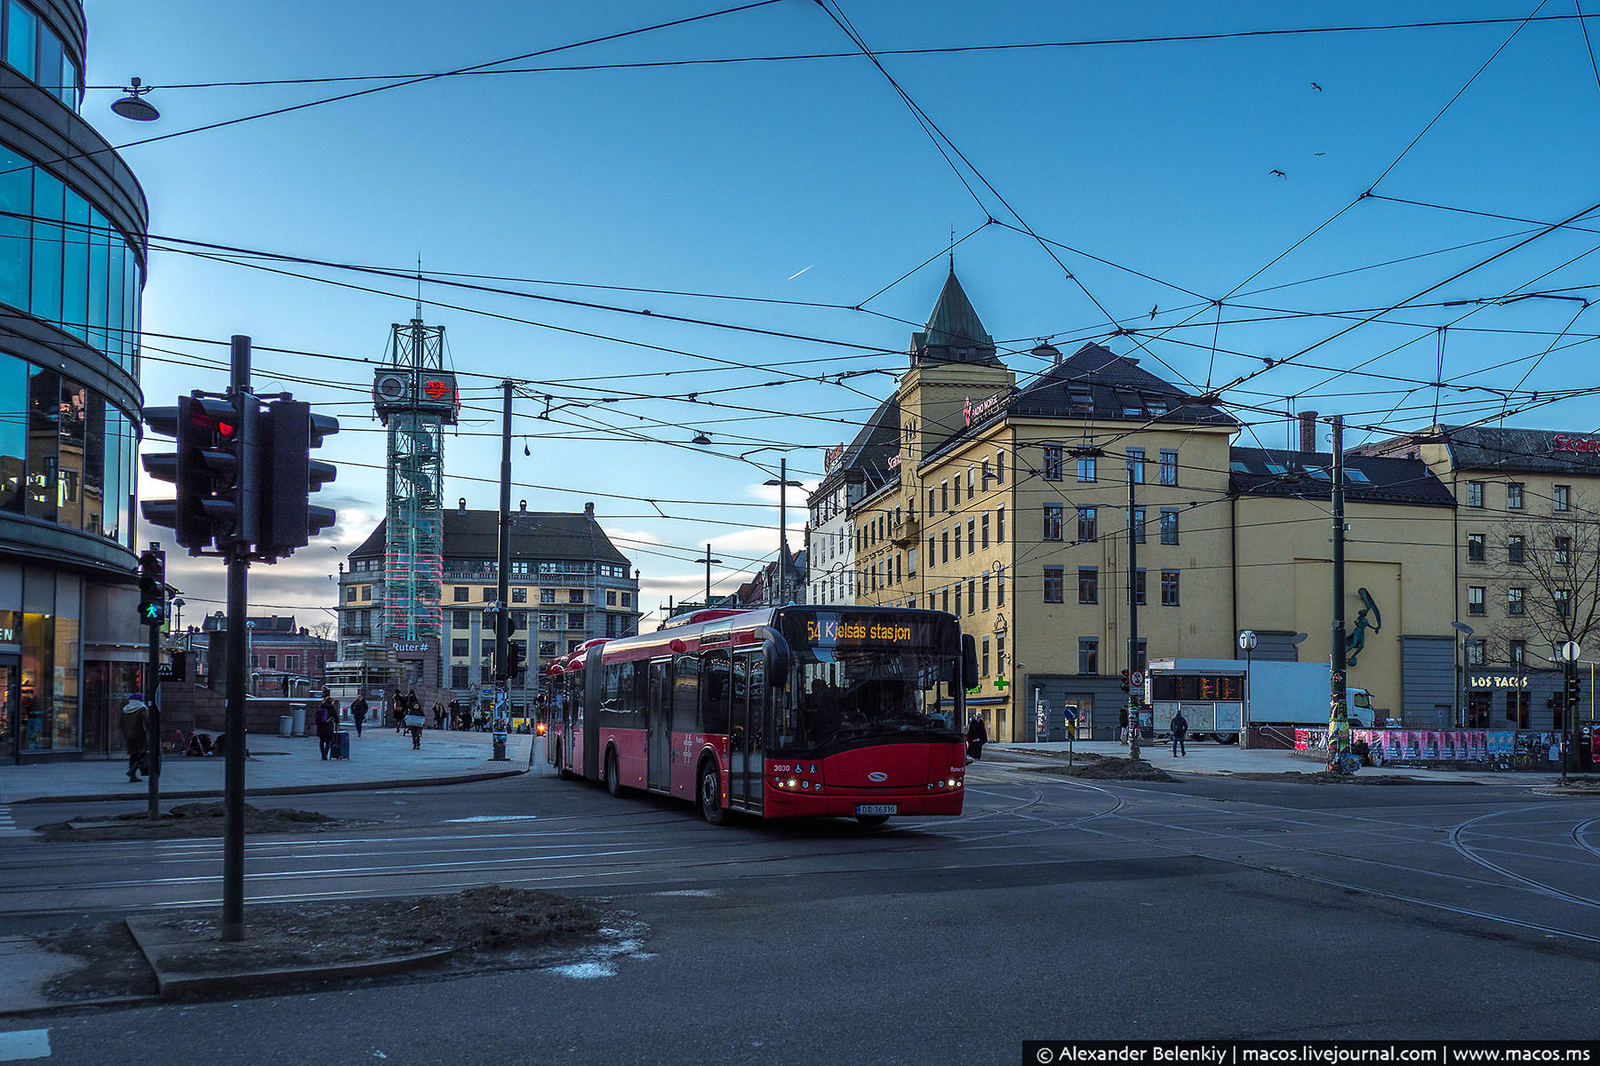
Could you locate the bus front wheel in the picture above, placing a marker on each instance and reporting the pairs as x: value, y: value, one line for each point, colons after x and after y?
x: 711, y: 808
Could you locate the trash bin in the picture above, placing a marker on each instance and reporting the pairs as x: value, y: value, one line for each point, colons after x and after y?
x: 286, y: 726
x: 341, y: 744
x: 499, y: 745
x: 299, y: 719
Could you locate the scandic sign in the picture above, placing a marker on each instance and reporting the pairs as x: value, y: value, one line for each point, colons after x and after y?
x: 1564, y: 443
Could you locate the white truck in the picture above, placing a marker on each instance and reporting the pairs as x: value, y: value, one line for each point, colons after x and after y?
x: 1220, y: 701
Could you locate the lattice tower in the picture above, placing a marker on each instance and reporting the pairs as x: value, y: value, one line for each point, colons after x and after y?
x: 414, y: 542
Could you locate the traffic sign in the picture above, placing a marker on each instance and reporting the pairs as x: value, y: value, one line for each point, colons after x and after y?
x: 1570, y: 651
x: 1136, y: 679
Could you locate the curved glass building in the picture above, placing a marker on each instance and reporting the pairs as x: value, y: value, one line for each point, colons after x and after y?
x: 73, y: 224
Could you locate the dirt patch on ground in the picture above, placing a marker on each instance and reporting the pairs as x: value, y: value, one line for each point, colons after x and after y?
x: 1325, y: 777
x: 484, y: 928
x: 112, y: 964
x: 191, y: 820
x: 1103, y: 768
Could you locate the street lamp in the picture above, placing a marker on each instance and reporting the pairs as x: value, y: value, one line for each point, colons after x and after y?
x: 1247, y: 644
x: 134, y: 105
x: 1461, y: 674
x: 783, y: 483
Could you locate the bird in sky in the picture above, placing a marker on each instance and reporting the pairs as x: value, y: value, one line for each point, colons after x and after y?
x: 1153, y: 308
x: 1277, y: 173
x: 1322, y: 153
x: 1317, y: 87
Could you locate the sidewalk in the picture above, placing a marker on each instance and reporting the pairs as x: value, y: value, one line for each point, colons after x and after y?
x: 278, y: 766
x: 1206, y: 757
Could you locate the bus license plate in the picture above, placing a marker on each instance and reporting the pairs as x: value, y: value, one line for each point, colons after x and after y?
x: 877, y: 808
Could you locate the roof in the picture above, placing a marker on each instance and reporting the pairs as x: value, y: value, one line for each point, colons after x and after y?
x: 1096, y: 384
x: 1305, y: 475
x: 1521, y: 451
x: 866, y: 458
x: 534, y: 535
x: 953, y: 333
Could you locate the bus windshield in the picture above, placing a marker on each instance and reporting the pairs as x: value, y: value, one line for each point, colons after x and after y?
x: 869, y: 676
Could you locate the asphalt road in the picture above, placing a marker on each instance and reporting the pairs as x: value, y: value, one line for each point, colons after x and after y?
x: 1052, y: 909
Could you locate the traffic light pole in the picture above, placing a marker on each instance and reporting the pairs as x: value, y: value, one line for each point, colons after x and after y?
x: 1133, y: 616
x: 153, y: 721
x: 238, y: 556
x: 1338, y: 717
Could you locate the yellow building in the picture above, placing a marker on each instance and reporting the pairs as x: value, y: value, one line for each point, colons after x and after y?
x: 1008, y: 505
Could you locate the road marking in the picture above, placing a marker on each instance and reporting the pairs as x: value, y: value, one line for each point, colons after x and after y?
x: 495, y: 818
x: 8, y: 825
x: 24, y: 1044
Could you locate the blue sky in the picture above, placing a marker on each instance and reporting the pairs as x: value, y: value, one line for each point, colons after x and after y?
x: 810, y: 181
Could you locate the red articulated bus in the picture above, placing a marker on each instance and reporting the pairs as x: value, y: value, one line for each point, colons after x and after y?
x: 786, y: 712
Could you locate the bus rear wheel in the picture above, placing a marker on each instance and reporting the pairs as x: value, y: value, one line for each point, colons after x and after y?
x: 613, y: 778
x: 1225, y: 738
x: 711, y: 808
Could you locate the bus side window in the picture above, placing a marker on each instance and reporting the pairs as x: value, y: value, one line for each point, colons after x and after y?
x: 716, y: 688
x: 685, y: 693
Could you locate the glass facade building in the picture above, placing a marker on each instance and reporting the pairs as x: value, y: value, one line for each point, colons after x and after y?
x: 73, y: 225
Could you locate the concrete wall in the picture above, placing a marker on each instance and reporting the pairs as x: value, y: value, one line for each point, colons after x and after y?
x: 1427, y: 697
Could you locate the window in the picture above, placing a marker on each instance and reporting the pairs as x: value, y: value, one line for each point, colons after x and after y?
x: 1563, y: 551
x: 983, y: 528
x: 958, y: 540
x: 575, y: 596
x: 1514, y: 549
x: 1137, y: 524
x: 611, y: 597
x: 549, y: 621
x: 984, y: 658
x: 1563, y: 599
x: 972, y: 476
x: 944, y: 496
x: 458, y: 677
x: 1475, y: 548
x: 1169, y: 467
x: 575, y: 620
x: 1052, y: 521
x: 972, y: 595
x: 1088, y: 655
x: 460, y: 619
x: 1169, y: 526
x: 1474, y: 599
x: 986, y: 591
x: 350, y: 594
x: 930, y: 500
x: 1513, y: 495
x: 1088, y: 584
x: 1517, y: 709
x: 1139, y: 587
x: 272, y: 662
x: 1000, y: 653
x: 1517, y: 652
x: 999, y: 525
x: 547, y: 595
x: 911, y: 563
x: 944, y: 598
x: 1052, y: 584
x: 972, y: 535
x: 944, y: 546
x: 1476, y: 650
x: 1515, y: 601
x: 1000, y: 588
x: 460, y: 594
x: 458, y: 648
x: 1052, y: 463
x: 1136, y: 465
x: 1474, y: 494
x: 1562, y: 500
x: 958, y: 599
x: 1000, y: 468
x: 1088, y: 524
x: 1086, y: 468
x: 1169, y: 588
x: 519, y: 595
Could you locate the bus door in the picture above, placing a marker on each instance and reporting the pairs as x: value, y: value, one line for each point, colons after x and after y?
x: 658, y: 727
x: 749, y: 709
x: 589, y: 696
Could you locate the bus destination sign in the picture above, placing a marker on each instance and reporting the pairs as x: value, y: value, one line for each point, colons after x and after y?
x: 829, y: 631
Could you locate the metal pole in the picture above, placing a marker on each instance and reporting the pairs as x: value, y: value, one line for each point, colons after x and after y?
x: 783, y: 529
x: 1338, y: 719
x: 502, y: 621
x: 233, y: 774
x: 708, y: 575
x: 153, y: 724
x: 1244, y: 723
x: 1133, y: 618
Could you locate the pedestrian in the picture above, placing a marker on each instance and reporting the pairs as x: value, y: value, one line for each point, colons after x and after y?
x: 136, y: 732
x: 977, y: 736
x: 1180, y: 729
x: 438, y: 713
x: 358, y: 710
x: 327, y: 714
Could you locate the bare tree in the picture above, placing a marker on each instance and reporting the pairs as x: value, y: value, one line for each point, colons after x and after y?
x: 1549, y: 572
x: 322, y: 630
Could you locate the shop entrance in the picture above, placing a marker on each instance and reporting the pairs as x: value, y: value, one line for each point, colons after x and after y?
x: 10, y: 698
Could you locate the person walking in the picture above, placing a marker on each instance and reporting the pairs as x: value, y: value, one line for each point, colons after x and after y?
x: 358, y: 710
x: 136, y: 732
x: 977, y: 736
x: 438, y: 713
x: 327, y: 714
x: 1180, y: 729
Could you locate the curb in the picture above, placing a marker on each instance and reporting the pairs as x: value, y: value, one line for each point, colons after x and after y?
x: 79, y: 1004
x: 282, y: 790
x: 246, y: 982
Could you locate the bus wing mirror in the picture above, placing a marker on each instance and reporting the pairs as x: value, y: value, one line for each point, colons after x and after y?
x: 776, y: 652
x: 969, y: 661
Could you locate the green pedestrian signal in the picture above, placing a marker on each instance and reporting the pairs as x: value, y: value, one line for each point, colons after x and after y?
x: 152, y: 587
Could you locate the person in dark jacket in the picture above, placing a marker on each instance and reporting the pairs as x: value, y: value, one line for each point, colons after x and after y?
x: 135, y: 732
x: 327, y: 714
x: 1180, y: 729
x: 359, y: 710
x: 977, y: 737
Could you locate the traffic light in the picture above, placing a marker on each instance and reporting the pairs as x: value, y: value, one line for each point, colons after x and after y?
x: 289, y: 519
x: 1572, y: 687
x: 152, y: 587
x: 214, y: 469
x: 1125, y: 686
x: 513, y: 660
